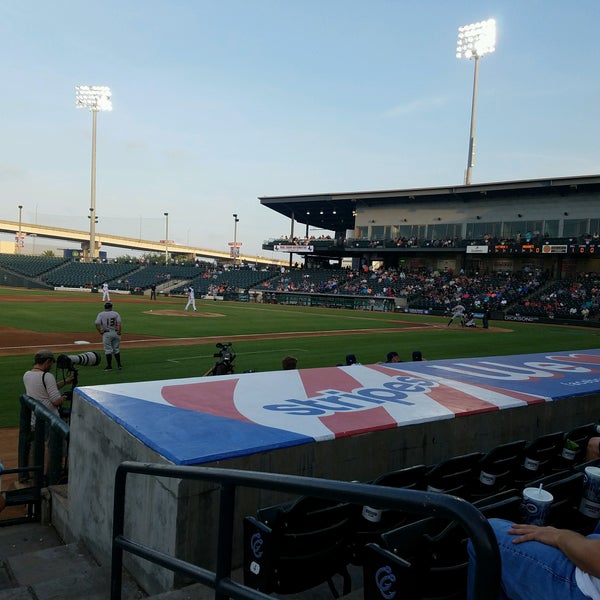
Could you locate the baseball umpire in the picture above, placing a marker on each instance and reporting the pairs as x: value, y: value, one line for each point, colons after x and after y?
x: 108, y: 323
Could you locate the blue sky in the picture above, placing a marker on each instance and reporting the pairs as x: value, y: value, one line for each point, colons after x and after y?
x: 216, y: 103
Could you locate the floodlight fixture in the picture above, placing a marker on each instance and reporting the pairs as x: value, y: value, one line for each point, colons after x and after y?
x: 474, y: 41
x: 477, y: 39
x: 95, y: 98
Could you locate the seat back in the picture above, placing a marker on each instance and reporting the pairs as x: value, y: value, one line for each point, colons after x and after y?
x: 454, y: 475
x: 497, y: 469
x: 436, y: 549
x: 303, y: 547
x: 575, y: 446
x: 386, y: 576
x: 369, y: 522
x: 539, y: 457
x: 503, y: 505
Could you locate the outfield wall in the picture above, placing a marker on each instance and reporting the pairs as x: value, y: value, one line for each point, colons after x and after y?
x: 348, y: 423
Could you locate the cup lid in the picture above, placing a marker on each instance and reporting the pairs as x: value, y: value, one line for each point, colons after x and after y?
x: 541, y: 495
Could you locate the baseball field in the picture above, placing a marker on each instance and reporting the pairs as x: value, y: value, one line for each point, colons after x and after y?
x: 162, y: 341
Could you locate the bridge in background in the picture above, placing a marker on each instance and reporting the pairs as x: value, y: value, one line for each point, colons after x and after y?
x: 103, y: 239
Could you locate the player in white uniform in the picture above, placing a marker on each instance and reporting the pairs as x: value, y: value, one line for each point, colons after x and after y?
x: 191, y: 299
x: 458, y: 312
x: 108, y: 323
x: 105, y: 294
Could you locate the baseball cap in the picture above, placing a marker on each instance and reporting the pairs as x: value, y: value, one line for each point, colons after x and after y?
x: 350, y: 359
x: 42, y: 356
x: 391, y: 355
x: 108, y: 305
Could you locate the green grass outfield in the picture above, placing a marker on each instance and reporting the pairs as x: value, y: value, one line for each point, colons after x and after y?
x: 369, y: 335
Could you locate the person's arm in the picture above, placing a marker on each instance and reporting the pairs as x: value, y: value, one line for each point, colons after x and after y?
x: 583, y: 552
x: 52, y: 387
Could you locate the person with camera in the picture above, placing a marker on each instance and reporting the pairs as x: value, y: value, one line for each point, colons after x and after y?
x: 41, y: 385
x: 108, y: 324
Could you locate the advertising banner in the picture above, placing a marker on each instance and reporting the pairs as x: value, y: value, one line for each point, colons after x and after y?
x: 203, y: 419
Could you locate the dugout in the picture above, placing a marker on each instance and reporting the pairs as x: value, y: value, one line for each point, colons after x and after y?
x: 347, y: 423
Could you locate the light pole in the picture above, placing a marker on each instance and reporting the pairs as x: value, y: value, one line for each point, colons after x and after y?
x: 235, y: 250
x: 166, y: 238
x: 19, y: 234
x: 95, y: 98
x: 474, y: 41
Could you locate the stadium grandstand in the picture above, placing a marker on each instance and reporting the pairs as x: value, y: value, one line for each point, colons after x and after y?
x: 524, y: 250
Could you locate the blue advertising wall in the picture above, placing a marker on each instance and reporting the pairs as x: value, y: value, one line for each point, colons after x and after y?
x: 204, y: 419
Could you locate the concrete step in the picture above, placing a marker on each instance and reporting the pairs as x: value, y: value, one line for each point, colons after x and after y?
x: 35, y: 564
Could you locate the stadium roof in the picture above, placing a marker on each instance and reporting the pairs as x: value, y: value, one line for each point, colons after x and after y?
x: 336, y: 211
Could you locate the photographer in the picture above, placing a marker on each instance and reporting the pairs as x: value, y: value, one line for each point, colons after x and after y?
x: 41, y: 385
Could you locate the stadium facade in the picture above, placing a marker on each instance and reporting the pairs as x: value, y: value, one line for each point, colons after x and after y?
x: 552, y: 224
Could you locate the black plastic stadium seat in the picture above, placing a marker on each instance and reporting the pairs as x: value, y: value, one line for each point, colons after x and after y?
x: 304, y: 546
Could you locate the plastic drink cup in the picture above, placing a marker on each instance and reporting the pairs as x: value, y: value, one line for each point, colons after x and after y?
x: 536, y: 505
x: 590, y: 501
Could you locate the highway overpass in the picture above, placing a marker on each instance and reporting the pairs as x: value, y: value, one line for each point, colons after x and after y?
x: 102, y: 239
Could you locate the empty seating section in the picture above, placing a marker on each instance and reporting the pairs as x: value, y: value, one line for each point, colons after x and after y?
x: 218, y: 282
x: 75, y: 274
x: 30, y: 266
x: 163, y: 276
x: 422, y: 558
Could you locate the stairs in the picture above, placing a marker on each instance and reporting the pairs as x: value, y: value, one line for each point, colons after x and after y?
x: 35, y: 564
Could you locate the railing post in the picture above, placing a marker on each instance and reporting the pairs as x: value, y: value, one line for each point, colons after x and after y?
x: 118, y: 525
x: 24, y: 452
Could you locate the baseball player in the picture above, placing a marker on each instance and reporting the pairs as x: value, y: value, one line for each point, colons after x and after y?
x: 105, y: 294
x: 108, y: 324
x: 458, y: 312
x: 191, y: 299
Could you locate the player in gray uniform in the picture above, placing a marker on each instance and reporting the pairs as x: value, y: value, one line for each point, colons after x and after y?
x: 108, y: 323
x: 458, y: 312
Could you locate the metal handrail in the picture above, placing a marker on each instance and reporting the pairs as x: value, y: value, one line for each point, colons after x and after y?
x: 58, y: 436
x: 487, y: 574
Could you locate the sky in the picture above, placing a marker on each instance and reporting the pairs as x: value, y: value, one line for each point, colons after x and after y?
x: 216, y: 103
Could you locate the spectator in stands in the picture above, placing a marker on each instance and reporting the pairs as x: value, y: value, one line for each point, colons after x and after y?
x: 351, y: 360
x: 544, y: 563
x: 392, y: 357
x: 593, y: 448
x: 289, y: 363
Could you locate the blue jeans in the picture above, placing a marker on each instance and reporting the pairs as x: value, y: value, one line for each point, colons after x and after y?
x: 531, y: 570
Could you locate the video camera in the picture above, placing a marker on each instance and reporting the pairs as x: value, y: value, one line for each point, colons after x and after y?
x: 68, y: 362
x: 226, y: 356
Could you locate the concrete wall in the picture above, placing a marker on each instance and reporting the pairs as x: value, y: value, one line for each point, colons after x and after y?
x: 180, y: 517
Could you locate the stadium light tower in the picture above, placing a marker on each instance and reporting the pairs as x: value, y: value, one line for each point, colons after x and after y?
x: 19, y: 238
x: 475, y: 41
x: 95, y: 98
x: 166, y: 238
x: 235, y: 222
